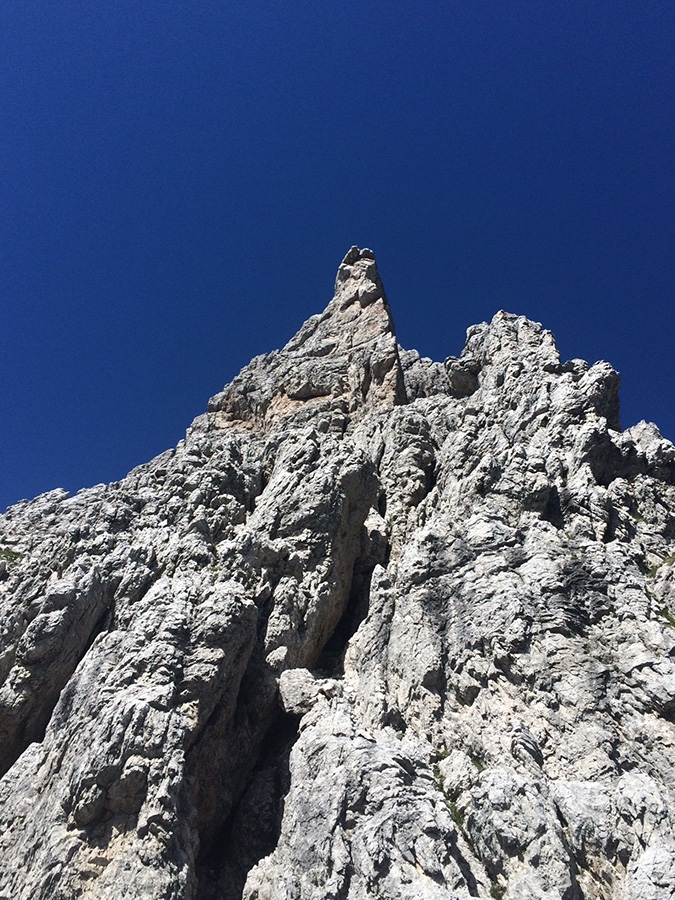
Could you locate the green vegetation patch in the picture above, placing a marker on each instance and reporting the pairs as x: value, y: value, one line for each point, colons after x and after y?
x: 457, y: 814
x: 10, y: 556
x: 497, y: 891
x: 653, y: 568
x: 478, y: 763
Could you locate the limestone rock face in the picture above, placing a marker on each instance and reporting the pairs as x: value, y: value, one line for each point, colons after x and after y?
x: 380, y: 627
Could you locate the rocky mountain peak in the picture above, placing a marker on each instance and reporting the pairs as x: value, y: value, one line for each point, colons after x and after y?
x: 349, y: 360
x: 513, y: 340
x: 358, y: 279
x: 357, y: 315
x: 379, y: 627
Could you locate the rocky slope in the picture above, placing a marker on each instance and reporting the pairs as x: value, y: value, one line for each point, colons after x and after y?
x: 380, y: 627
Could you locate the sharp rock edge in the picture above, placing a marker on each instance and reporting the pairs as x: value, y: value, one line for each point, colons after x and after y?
x: 379, y: 627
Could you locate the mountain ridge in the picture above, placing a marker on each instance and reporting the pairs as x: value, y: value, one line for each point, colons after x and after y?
x: 456, y: 579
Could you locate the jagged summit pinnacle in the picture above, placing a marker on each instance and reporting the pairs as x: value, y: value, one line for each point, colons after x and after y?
x: 356, y: 253
x: 349, y: 357
x: 357, y: 278
x: 379, y: 627
x: 358, y: 313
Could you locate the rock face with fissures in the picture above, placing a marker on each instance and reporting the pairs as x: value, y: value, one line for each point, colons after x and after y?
x: 379, y: 627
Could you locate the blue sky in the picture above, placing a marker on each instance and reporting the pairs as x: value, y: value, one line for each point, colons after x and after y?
x: 180, y: 180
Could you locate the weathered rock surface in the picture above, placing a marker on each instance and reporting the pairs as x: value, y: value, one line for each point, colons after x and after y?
x: 380, y: 627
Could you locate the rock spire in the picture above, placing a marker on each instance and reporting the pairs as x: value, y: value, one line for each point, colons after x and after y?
x: 342, y: 361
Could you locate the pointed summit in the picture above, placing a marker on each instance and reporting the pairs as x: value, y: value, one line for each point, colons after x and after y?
x: 358, y: 312
x: 341, y: 360
x: 358, y: 278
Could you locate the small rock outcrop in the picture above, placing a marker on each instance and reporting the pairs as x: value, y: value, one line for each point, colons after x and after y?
x: 378, y: 628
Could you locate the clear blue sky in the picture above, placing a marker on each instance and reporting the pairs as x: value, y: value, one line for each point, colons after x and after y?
x: 180, y: 181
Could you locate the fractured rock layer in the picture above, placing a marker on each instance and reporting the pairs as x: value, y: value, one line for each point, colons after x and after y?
x: 380, y: 627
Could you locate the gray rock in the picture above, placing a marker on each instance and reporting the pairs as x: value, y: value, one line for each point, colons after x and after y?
x: 379, y: 627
